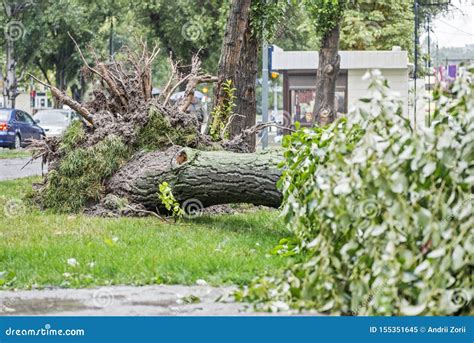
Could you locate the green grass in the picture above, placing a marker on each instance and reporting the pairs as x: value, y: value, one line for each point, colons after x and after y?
x: 35, y: 247
x: 7, y: 153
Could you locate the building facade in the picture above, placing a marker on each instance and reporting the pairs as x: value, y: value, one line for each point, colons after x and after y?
x: 299, y: 78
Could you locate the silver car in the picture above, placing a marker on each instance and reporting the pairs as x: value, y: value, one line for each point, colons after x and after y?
x: 54, y: 122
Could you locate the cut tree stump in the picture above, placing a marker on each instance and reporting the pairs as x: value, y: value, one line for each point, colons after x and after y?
x: 203, y: 177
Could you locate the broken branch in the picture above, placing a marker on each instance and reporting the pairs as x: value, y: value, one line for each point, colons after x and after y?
x: 63, y: 98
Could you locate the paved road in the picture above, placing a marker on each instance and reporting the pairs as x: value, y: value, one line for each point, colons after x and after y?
x: 169, y: 300
x: 12, y: 168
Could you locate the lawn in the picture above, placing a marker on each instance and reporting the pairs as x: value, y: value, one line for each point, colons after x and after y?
x: 7, y: 153
x: 43, y: 249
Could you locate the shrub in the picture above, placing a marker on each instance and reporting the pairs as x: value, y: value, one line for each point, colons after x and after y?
x: 222, y: 114
x: 169, y: 201
x: 80, y: 175
x: 382, y: 214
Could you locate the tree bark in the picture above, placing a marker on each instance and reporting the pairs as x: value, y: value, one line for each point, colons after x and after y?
x: 60, y: 82
x: 328, y: 69
x: 11, y: 80
x: 204, y: 177
x: 4, y: 88
x: 231, y: 48
x: 12, y: 12
x: 245, y: 83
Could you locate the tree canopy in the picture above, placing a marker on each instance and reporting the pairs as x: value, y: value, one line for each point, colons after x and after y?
x: 184, y: 28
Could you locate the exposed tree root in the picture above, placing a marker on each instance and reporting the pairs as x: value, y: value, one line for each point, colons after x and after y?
x: 123, y: 117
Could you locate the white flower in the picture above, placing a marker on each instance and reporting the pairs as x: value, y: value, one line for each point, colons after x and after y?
x: 201, y: 282
x: 72, y: 262
x: 91, y: 264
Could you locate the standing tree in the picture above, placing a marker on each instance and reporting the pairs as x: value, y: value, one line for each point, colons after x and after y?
x: 185, y: 28
x: 203, y: 24
x: 237, y: 23
x: 13, y: 31
x: 47, y: 48
x: 262, y: 23
x: 245, y: 84
x: 378, y: 25
x: 367, y: 25
x: 49, y: 26
x: 326, y: 16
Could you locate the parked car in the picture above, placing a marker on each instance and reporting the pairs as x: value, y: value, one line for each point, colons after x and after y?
x: 17, y: 128
x: 55, y: 122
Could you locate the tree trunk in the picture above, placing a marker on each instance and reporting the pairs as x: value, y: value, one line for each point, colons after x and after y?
x: 11, y: 32
x: 11, y: 80
x: 204, y: 178
x: 231, y: 48
x: 245, y: 83
x: 328, y: 69
x: 60, y: 82
x: 4, y: 88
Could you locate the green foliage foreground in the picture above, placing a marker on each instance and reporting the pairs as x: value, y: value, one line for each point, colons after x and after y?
x: 383, y: 215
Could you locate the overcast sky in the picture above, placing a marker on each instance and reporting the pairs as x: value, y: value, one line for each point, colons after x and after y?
x: 457, y: 27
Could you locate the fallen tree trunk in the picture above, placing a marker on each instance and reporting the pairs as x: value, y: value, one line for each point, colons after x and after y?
x: 200, y: 178
x: 97, y: 168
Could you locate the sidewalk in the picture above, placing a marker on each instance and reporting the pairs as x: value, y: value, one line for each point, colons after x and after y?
x: 160, y: 300
x: 12, y: 168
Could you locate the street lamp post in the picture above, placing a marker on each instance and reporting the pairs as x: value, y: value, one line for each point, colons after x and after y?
x: 415, y: 69
x: 265, y: 93
x: 264, y: 87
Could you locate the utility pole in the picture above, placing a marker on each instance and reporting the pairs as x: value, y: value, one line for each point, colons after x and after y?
x: 415, y: 69
x: 265, y: 93
x: 264, y: 88
x: 275, y: 99
x: 416, y: 7
x: 429, y: 71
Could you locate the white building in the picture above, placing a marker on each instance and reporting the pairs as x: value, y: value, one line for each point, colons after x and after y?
x: 299, y: 78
